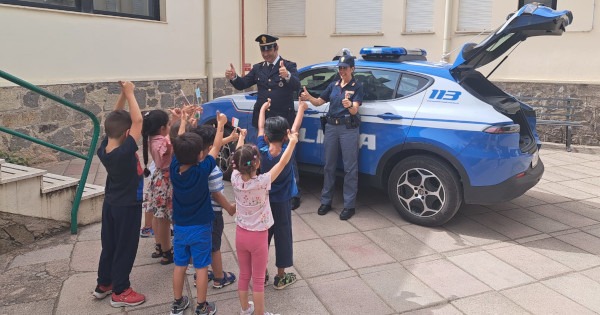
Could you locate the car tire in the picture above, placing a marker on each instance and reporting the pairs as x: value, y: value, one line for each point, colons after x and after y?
x: 425, y: 190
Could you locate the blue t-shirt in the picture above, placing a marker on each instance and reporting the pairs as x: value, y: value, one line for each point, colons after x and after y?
x: 335, y: 94
x: 281, y: 188
x: 191, y: 197
x: 124, y: 173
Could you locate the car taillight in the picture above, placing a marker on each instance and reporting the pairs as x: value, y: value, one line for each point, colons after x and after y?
x: 501, y: 129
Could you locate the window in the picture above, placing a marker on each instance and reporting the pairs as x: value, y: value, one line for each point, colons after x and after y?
x: 358, y: 16
x: 411, y: 84
x: 378, y: 85
x: 317, y: 80
x: 548, y: 3
x: 140, y: 9
x: 419, y: 16
x: 474, y: 15
x: 286, y: 17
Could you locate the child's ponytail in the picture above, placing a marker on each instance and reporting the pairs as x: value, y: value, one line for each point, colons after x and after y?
x: 245, y: 159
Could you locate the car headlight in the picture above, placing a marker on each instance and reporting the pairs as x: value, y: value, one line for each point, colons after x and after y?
x: 535, y: 158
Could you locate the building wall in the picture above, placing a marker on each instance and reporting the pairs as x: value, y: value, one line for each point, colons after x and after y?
x: 79, y: 57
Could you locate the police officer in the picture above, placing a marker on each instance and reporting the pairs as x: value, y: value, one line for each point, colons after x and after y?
x: 275, y: 78
x: 341, y: 132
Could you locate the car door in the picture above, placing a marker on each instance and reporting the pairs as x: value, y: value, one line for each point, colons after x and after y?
x: 310, y: 144
x: 391, y: 100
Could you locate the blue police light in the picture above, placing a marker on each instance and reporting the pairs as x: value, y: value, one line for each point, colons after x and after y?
x: 397, y: 54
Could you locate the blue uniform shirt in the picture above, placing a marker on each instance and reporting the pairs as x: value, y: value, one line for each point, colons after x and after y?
x: 271, y: 85
x: 335, y: 94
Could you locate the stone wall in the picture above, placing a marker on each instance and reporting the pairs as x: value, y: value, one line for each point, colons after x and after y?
x: 587, y: 109
x: 35, y: 115
x: 38, y: 116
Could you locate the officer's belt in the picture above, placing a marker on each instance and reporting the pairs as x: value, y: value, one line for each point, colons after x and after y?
x: 337, y: 120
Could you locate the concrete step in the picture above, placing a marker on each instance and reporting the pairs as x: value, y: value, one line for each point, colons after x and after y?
x: 33, y: 192
x: 13, y: 172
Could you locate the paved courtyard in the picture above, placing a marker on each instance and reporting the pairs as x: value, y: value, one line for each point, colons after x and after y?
x: 538, y: 254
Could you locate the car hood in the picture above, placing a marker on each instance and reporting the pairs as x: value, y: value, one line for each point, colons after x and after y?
x: 530, y: 20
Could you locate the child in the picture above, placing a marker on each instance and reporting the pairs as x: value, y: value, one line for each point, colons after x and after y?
x: 158, y: 198
x: 122, y: 209
x: 271, y: 145
x: 254, y: 218
x: 219, y: 202
x: 192, y: 213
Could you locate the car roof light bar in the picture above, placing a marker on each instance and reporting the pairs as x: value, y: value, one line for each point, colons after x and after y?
x: 395, y: 54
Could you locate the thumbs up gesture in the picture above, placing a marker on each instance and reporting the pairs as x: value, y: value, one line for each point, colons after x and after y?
x: 305, y: 96
x: 230, y: 73
x: 346, y: 101
x: 282, y: 70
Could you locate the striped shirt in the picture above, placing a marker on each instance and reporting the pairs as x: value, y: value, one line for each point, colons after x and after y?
x: 215, y: 184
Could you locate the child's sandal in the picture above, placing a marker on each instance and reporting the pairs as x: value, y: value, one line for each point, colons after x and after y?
x: 167, y: 257
x: 158, y: 253
x: 228, y: 278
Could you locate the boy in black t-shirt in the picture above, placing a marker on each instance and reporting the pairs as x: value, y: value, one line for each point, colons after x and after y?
x: 122, y: 209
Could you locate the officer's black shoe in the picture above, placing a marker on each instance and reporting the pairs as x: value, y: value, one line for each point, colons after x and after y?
x: 347, y: 213
x: 295, y: 203
x: 323, y: 209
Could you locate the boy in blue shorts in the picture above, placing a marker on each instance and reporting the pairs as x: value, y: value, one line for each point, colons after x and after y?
x: 219, y: 202
x: 272, y: 142
x: 192, y: 213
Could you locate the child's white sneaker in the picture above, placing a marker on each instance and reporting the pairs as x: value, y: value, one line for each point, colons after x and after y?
x: 250, y: 309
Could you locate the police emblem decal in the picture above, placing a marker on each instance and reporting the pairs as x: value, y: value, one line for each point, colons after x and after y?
x: 264, y: 39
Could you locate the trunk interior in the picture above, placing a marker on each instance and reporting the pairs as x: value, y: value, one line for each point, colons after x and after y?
x: 483, y: 89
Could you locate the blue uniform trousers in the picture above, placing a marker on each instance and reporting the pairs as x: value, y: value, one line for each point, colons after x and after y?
x: 337, y: 139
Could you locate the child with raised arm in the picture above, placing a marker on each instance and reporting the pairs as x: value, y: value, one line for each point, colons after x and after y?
x: 272, y: 144
x: 254, y: 218
x: 192, y: 213
x: 219, y: 202
x: 158, y: 196
x: 122, y: 209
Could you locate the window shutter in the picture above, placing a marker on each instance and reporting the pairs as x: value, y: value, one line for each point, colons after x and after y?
x: 358, y: 16
x: 474, y: 15
x: 419, y: 16
x: 286, y: 17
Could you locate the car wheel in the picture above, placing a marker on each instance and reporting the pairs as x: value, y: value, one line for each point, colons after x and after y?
x: 425, y: 190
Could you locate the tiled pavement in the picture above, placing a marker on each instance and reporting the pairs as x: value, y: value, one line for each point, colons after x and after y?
x: 539, y: 254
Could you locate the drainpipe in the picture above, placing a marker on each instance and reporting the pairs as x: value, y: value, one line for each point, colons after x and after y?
x: 447, y: 26
x: 208, y: 64
x: 243, y: 37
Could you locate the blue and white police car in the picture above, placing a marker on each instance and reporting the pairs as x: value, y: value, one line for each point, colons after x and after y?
x: 434, y: 135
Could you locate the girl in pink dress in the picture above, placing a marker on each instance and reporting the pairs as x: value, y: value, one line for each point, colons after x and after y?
x: 253, y: 218
x: 158, y: 198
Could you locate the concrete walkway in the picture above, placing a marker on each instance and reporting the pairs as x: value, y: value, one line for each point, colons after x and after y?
x: 538, y: 254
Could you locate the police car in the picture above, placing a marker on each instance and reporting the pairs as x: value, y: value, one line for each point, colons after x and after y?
x: 434, y: 135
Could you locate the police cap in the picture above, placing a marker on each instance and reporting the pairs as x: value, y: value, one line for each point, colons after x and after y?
x: 346, y: 61
x: 266, y: 41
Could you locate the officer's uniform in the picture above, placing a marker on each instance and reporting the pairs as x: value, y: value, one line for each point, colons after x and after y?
x: 341, y: 131
x: 271, y: 85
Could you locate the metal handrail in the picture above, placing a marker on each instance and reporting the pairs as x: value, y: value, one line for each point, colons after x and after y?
x: 90, y: 154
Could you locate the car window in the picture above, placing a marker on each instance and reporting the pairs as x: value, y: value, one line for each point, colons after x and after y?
x: 317, y: 80
x: 378, y: 85
x: 410, y: 84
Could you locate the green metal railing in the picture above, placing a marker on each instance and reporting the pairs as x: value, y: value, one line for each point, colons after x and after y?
x: 87, y: 158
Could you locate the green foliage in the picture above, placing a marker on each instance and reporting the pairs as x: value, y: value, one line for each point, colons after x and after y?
x: 14, y: 158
